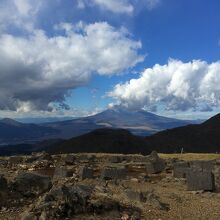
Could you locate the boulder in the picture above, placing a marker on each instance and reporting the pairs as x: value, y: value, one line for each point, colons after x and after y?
x: 115, y: 159
x: 30, y: 184
x: 203, y: 165
x: 200, y: 180
x: 3, y: 191
x: 114, y: 173
x: 15, y: 160
x: 86, y: 173
x: 62, y: 172
x: 153, y: 167
x: 3, y: 163
x: 135, y: 195
x: 154, y: 163
x: 70, y: 159
x: 180, y: 169
x: 3, y: 183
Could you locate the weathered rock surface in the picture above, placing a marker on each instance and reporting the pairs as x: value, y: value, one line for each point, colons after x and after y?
x: 62, y: 172
x: 29, y: 184
x: 180, y: 169
x: 200, y: 180
x: 86, y: 173
x: 113, y: 173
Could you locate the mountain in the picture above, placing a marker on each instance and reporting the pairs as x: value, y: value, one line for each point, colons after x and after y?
x: 103, y: 140
x: 199, y: 138
x: 12, y: 131
x: 41, y: 120
x: 204, y: 138
x: 138, y: 122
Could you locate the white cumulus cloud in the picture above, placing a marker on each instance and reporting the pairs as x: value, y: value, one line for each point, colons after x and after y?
x: 120, y: 6
x: 177, y: 86
x: 19, y: 13
x: 38, y: 70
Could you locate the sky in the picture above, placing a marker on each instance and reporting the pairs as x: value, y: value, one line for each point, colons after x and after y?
x: 79, y: 57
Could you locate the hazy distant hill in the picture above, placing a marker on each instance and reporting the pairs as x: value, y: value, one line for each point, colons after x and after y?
x: 12, y: 131
x: 204, y: 137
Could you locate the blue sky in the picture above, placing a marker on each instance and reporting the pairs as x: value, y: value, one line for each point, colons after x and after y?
x: 77, y: 57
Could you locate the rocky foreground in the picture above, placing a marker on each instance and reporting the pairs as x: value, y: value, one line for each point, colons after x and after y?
x: 101, y: 186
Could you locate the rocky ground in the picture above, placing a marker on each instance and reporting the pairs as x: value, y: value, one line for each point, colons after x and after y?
x: 100, y: 186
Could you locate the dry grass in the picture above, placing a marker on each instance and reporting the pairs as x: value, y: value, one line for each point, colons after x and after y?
x: 191, y: 156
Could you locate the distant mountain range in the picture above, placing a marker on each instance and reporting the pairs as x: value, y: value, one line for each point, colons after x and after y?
x: 12, y: 132
x: 140, y: 123
x: 203, y: 137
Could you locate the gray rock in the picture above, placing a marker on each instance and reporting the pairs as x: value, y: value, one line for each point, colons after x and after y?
x: 86, y: 173
x: 202, y: 165
x: 62, y: 172
x: 30, y: 184
x: 28, y: 216
x: 114, y: 173
x: 115, y: 159
x: 180, y: 169
x: 70, y: 159
x: 3, y: 163
x: 153, y: 167
x: 15, y: 160
x: 154, y: 163
x: 3, y: 183
x: 154, y: 155
x: 200, y: 180
x: 135, y: 196
x: 3, y: 191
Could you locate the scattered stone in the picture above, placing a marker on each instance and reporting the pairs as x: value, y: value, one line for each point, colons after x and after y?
x: 200, y: 180
x: 29, y: 184
x: 86, y: 173
x: 113, y: 173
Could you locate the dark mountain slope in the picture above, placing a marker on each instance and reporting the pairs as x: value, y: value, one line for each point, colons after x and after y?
x: 192, y: 138
x: 102, y: 140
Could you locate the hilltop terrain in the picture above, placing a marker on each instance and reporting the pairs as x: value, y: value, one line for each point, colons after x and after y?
x: 109, y: 186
